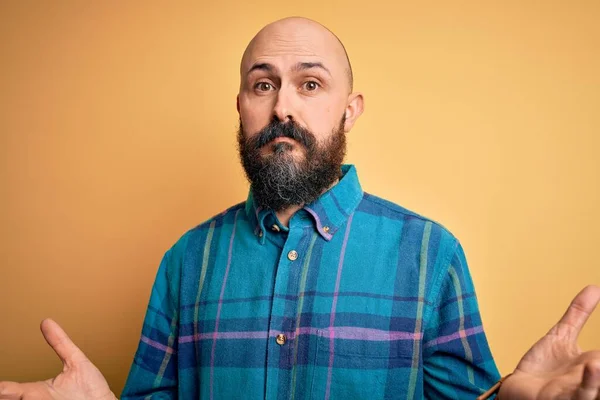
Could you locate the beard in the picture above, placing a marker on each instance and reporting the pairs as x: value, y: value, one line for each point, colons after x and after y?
x: 280, y: 179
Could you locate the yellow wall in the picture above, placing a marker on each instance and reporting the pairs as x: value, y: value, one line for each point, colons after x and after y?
x: 117, y: 134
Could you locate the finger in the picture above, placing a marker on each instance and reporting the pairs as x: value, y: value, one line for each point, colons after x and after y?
x: 590, y: 384
x: 64, y: 348
x: 579, y: 311
x: 10, y: 390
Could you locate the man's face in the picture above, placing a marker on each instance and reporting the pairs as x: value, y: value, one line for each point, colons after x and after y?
x: 294, y: 103
x: 293, y: 71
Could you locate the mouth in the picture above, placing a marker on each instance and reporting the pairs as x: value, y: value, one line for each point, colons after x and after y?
x: 283, y: 139
x: 280, y: 145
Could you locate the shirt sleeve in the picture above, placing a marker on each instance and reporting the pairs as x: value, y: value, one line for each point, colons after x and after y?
x: 457, y: 360
x: 153, y: 374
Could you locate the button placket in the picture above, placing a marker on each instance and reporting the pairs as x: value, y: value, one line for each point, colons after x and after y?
x: 294, y: 243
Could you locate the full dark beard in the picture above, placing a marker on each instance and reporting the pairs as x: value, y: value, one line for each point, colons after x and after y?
x: 279, y: 180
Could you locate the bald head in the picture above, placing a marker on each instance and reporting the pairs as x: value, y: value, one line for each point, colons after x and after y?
x: 298, y: 36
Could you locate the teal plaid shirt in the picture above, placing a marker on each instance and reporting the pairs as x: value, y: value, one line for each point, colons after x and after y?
x: 358, y: 299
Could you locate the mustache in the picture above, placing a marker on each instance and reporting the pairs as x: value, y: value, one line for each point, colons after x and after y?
x: 277, y: 129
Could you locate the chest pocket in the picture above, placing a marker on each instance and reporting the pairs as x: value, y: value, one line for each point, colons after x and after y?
x: 363, y: 366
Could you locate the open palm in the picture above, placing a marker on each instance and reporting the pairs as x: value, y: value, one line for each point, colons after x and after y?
x: 555, y: 367
x: 79, y: 379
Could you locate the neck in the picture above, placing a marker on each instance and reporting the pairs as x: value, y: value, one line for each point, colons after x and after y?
x: 286, y: 214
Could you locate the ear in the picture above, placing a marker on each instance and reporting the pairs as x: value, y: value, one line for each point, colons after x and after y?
x: 354, y: 109
x: 237, y: 103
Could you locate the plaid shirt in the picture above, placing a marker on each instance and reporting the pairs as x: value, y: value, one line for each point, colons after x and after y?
x: 358, y: 299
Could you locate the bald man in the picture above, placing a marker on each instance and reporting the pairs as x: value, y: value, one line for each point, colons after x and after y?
x: 312, y: 288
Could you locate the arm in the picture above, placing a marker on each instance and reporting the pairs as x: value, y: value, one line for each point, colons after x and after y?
x: 457, y: 360
x: 154, y: 369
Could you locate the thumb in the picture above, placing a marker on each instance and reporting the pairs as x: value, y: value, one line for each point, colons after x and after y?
x: 11, y: 390
x: 64, y: 348
x: 578, y: 312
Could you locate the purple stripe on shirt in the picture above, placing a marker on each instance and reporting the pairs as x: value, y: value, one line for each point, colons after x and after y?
x: 257, y: 212
x: 340, y: 332
x: 328, y: 236
x: 156, y: 345
x: 368, y: 334
x: 454, y: 336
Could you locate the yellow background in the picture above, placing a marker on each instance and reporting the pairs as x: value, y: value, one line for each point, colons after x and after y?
x: 117, y: 134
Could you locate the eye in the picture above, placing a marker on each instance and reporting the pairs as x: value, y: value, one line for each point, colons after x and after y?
x: 264, y: 86
x: 311, y: 86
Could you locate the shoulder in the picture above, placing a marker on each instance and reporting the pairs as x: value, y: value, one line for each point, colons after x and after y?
x: 385, y: 209
x: 186, y: 254
x: 198, y: 234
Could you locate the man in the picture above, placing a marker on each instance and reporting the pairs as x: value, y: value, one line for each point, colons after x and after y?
x: 311, y: 288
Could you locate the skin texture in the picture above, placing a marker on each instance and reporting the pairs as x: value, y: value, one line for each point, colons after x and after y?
x: 554, y: 368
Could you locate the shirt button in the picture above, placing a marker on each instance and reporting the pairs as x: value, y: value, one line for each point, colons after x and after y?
x: 260, y: 234
x: 275, y: 227
x: 326, y: 229
x: 292, y: 255
x: 281, y: 339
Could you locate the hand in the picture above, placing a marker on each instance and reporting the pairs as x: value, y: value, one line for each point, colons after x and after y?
x: 79, y: 379
x: 555, y: 367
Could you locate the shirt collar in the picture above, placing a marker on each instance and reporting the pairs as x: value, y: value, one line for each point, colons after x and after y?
x: 329, y: 212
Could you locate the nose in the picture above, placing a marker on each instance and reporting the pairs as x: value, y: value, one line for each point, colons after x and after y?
x: 283, y: 110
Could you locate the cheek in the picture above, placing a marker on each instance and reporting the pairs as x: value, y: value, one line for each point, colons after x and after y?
x: 255, y: 115
x: 323, y: 118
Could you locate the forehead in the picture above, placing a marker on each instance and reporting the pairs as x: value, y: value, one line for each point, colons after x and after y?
x: 286, y: 46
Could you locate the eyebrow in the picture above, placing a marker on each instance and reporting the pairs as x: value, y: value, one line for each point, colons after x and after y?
x: 301, y: 66
x: 261, y: 67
